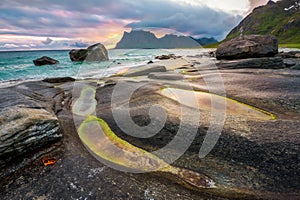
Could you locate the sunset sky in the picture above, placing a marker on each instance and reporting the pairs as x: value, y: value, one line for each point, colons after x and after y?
x: 65, y: 24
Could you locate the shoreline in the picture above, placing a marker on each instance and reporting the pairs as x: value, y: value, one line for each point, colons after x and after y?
x: 241, y: 158
x: 134, y: 64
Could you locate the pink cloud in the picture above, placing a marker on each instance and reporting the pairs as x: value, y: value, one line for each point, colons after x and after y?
x: 256, y: 3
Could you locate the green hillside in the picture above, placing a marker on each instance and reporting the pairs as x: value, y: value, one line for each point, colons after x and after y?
x: 281, y: 19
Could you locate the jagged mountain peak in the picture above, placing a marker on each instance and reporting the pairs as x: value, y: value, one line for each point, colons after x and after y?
x: 140, y: 39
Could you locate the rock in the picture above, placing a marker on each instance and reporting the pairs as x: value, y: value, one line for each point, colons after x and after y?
x: 296, y: 67
x: 145, y: 70
x: 165, y: 76
x: 45, y: 61
x: 59, y: 80
x: 167, y: 57
x: 261, y: 63
x: 96, y: 52
x: 24, y: 129
x: 248, y: 46
x: 289, y: 62
x: 150, y: 62
x: 212, y: 54
x: 250, y: 154
x: 290, y: 54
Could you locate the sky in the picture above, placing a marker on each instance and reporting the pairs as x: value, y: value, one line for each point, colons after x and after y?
x: 67, y: 24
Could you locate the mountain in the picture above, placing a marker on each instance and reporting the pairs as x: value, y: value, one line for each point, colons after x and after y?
x: 139, y: 39
x: 281, y: 19
x: 204, y: 41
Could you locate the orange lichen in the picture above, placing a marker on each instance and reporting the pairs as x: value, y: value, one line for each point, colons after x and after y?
x: 48, y: 161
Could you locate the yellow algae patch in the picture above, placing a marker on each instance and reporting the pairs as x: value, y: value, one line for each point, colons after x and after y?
x: 86, y: 104
x: 121, y: 72
x: 208, y: 102
x: 102, y: 141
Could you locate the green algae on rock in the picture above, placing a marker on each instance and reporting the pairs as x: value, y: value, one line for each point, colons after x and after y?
x: 208, y: 101
x: 85, y: 105
x: 106, y: 146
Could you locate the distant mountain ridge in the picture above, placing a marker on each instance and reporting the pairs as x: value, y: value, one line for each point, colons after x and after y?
x: 281, y: 19
x: 140, y: 39
x: 205, y: 40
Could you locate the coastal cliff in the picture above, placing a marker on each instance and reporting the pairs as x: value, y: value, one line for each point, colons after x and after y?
x: 281, y: 19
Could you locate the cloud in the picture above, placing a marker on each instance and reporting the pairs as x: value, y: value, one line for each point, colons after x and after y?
x: 10, y: 46
x: 188, y: 19
x: 79, y: 44
x: 96, y: 20
x: 48, y: 41
x: 36, y: 45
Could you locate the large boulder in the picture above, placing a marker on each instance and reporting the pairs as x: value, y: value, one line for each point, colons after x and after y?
x: 45, y: 61
x: 248, y: 46
x: 96, y: 52
x: 24, y: 129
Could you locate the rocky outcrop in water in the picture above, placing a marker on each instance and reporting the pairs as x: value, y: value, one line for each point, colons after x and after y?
x: 45, y: 61
x: 248, y: 46
x: 94, y: 53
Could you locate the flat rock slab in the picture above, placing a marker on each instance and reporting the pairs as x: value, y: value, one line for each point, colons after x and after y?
x: 165, y: 76
x: 145, y: 70
x: 260, y: 63
x: 257, y: 154
x: 290, y: 62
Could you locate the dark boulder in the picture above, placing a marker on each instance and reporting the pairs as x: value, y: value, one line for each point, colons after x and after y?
x: 59, y: 80
x: 45, y: 61
x: 290, y: 54
x: 150, y: 62
x: 167, y: 57
x: 27, y: 120
x: 94, y: 53
x: 248, y: 46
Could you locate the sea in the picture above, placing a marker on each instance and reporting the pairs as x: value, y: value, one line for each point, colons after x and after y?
x: 18, y: 65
